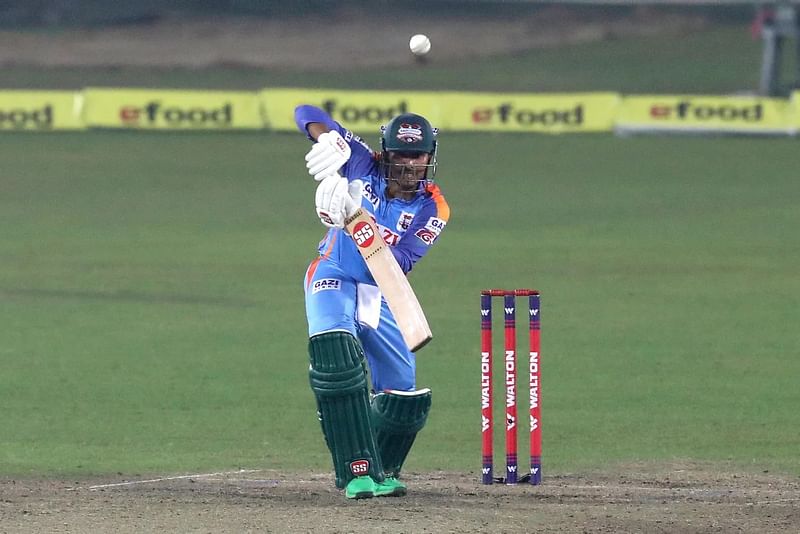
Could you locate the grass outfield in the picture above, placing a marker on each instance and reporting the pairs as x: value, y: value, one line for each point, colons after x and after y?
x: 153, y: 320
x: 151, y: 302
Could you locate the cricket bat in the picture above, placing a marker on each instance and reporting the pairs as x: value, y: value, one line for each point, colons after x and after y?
x: 391, y: 280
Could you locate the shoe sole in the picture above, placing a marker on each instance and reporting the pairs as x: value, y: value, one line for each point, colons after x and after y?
x: 361, y: 495
x: 397, y: 492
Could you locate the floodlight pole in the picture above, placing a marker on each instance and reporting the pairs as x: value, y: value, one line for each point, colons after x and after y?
x: 780, y: 24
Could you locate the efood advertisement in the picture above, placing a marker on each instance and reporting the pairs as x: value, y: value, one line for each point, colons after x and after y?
x: 365, y: 111
x: 359, y: 111
x: 41, y: 111
x: 148, y: 109
x: 705, y: 113
x: 541, y: 113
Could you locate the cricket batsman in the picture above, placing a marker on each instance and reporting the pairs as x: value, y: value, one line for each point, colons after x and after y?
x: 361, y: 372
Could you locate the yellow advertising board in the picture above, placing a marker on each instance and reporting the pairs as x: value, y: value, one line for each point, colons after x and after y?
x: 794, y: 111
x: 686, y: 113
x: 454, y: 111
x: 530, y: 112
x: 162, y: 109
x: 358, y: 111
x: 40, y: 111
x: 366, y: 111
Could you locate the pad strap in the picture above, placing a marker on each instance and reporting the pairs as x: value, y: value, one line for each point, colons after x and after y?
x: 337, y: 374
x: 398, y: 416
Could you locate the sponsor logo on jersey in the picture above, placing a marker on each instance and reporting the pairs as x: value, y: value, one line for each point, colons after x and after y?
x: 435, y: 225
x: 389, y: 237
x: 426, y: 236
x: 359, y: 467
x: 325, y: 284
x: 370, y: 195
x: 404, y: 222
x: 350, y: 136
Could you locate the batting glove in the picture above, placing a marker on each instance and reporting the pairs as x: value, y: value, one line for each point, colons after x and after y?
x: 336, y: 200
x: 327, y: 155
x: 355, y: 192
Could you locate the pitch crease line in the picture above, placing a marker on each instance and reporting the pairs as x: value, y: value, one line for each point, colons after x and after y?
x: 164, y: 479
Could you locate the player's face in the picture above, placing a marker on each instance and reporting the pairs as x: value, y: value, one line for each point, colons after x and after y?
x: 407, y: 169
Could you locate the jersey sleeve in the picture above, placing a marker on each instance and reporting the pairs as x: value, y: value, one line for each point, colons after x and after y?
x: 306, y: 114
x: 361, y: 159
x: 426, y: 227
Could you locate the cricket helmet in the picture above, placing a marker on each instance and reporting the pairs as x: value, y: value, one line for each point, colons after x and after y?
x: 409, y: 133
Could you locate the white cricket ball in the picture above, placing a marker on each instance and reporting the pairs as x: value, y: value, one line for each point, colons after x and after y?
x: 419, y: 44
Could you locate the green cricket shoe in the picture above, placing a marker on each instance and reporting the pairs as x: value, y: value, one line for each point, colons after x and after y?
x: 361, y: 488
x: 390, y: 487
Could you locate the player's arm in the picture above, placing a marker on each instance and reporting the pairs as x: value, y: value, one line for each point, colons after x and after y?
x: 336, y: 148
x: 313, y: 121
x: 428, y: 223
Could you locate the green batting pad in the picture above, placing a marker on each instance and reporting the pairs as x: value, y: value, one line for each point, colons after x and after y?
x: 397, y: 417
x: 338, y: 378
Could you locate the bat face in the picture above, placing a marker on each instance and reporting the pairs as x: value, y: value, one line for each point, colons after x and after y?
x: 391, y: 280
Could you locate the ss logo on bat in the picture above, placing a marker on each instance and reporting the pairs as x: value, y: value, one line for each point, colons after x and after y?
x: 363, y: 234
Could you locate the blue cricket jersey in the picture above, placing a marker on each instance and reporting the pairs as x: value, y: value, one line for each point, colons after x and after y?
x: 409, y: 227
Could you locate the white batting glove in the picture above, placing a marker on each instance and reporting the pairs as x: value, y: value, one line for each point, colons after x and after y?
x: 352, y: 202
x: 336, y: 200
x: 327, y: 155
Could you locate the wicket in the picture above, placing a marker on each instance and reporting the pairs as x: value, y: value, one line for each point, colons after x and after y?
x: 510, y: 385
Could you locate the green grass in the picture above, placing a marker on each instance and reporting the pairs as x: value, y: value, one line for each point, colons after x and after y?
x: 719, y: 60
x: 151, y: 301
x: 152, y: 308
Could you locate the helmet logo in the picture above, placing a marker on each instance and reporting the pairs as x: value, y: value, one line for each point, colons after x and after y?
x: 409, y: 133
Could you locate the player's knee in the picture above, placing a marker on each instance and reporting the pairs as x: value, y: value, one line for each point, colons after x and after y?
x: 401, y: 412
x: 397, y: 417
x: 330, y: 324
x: 336, y: 364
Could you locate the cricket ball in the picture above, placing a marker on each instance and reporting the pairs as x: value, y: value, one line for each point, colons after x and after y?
x: 419, y: 44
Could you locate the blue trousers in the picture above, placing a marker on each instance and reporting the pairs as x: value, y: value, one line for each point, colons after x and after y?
x: 335, y: 301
